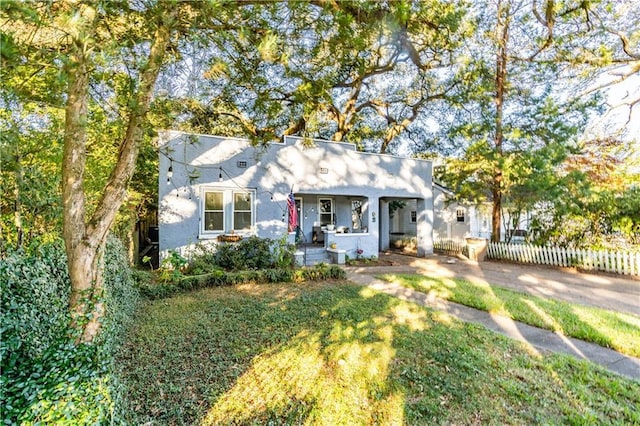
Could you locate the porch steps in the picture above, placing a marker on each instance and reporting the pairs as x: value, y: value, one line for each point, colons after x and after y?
x: 315, y: 255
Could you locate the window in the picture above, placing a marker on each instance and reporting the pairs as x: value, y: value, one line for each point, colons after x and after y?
x: 356, y: 214
x: 224, y: 210
x: 460, y: 215
x: 242, y: 211
x: 325, y: 210
x: 213, y: 211
x: 414, y: 216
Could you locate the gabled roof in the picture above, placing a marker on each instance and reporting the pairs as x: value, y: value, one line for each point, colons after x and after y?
x: 443, y: 188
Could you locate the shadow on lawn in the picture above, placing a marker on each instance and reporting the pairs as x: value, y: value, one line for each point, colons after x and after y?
x: 332, y: 354
x: 576, y: 321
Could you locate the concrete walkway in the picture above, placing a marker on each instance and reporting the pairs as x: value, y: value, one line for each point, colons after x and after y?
x: 544, y: 282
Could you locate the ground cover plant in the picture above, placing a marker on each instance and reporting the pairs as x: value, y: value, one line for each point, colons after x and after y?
x: 616, y: 330
x: 337, y: 353
x: 252, y: 260
x: 48, y: 378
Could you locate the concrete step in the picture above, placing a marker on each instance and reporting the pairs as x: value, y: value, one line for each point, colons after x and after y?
x: 315, y: 258
x: 314, y: 255
x: 311, y: 262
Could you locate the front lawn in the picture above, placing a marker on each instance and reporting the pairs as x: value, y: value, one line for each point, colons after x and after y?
x: 337, y: 353
x: 616, y: 330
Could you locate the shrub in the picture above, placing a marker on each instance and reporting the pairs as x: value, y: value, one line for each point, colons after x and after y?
x: 172, y: 266
x: 34, y: 294
x: 256, y: 252
x: 202, y: 261
x: 46, y: 378
x: 228, y: 256
x: 220, y: 278
x: 252, y: 253
x: 283, y: 254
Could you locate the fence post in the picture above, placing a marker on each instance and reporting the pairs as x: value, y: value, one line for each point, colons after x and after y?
x: 585, y: 254
x: 625, y: 263
x: 570, y: 256
x: 620, y: 266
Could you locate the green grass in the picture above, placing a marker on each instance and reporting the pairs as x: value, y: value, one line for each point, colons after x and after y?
x: 615, y: 330
x: 343, y: 354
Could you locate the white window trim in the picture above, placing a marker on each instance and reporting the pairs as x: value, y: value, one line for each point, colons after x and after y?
x: 201, y: 212
x: 252, y: 194
x: 227, y: 212
x: 333, y: 208
x: 301, y: 212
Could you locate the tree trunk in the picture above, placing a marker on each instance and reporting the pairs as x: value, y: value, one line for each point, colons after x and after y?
x: 85, y: 241
x: 496, y: 211
x: 502, y: 31
x: 79, y: 258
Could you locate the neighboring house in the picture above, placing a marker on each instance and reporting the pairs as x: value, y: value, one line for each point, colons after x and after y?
x: 456, y: 220
x: 213, y: 186
x: 451, y: 219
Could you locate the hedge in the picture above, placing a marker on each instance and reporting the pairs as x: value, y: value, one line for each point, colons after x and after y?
x: 221, y: 278
x: 47, y: 378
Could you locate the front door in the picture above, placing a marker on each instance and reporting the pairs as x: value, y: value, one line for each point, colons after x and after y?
x: 299, y: 209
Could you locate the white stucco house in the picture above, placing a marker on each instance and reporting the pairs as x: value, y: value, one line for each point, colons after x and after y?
x: 455, y: 220
x: 211, y: 186
x: 452, y: 220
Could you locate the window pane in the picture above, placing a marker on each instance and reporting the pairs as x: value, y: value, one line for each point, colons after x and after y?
x: 213, y: 201
x: 241, y: 220
x: 326, y: 206
x: 325, y: 218
x: 242, y: 201
x: 213, y: 221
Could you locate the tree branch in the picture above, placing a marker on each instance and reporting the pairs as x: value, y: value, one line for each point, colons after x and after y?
x: 115, y: 190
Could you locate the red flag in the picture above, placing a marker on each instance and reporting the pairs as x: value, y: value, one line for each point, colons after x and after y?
x: 293, y: 213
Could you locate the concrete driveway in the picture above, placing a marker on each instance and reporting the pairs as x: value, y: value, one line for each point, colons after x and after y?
x: 605, y: 291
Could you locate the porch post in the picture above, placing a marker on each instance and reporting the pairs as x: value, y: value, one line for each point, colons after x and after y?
x: 424, y: 231
x: 384, y: 224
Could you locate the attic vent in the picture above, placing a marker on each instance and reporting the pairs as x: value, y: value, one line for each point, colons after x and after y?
x: 241, y: 164
x: 324, y: 170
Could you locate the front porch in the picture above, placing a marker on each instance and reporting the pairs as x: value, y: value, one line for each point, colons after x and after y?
x: 338, y: 226
x: 334, y: 228
x: 309, y: 255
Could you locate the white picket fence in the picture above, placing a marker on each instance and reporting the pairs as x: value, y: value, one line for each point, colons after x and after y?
x: 620, y: 262
x: 450, y: 247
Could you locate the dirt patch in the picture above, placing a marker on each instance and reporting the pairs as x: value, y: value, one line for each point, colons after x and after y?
x: 372, y: 262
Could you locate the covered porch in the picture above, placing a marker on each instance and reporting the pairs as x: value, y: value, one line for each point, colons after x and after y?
x: 333, y: 228
x: 340, y: 225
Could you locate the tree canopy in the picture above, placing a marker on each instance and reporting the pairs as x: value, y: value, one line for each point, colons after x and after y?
x: 493, y: 83
x: 361, y: 72
x: 525, y: 102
